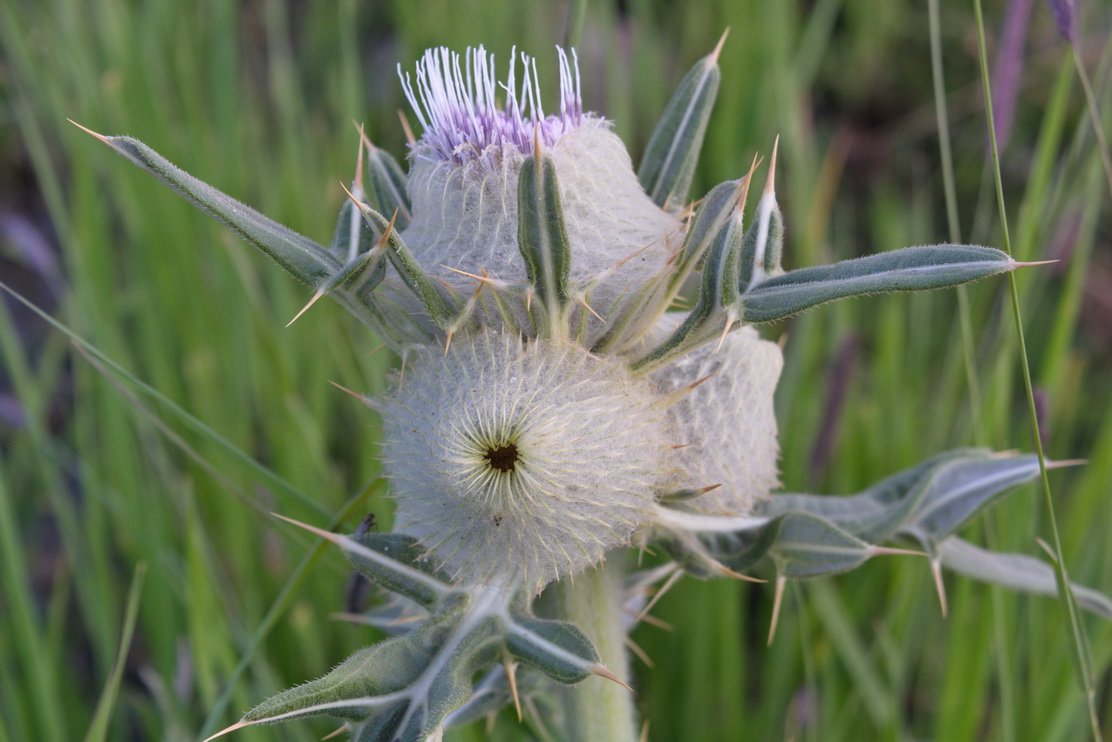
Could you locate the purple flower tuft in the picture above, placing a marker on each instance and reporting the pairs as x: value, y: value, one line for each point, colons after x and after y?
x: 456, y: 104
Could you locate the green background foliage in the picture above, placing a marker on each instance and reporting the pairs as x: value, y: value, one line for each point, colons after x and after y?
x: 99, y: 476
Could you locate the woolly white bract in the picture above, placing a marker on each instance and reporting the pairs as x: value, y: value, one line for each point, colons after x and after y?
x: 727, y: 423
x: 519, y: 461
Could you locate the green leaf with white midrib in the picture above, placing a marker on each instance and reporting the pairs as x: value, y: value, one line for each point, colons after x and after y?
x: 810, y: 546
x: 387, y: 185
x: 298, y: 254
x: 961, y: 490
x: 673, y: 149
x: 815, y: 535
x: 907, y: 269
x: 411, y: 272
x: 1016, y: 571
x: 394, y: 561
x: 542, y: 237
x: 876, y: 514
x: 715, y: 223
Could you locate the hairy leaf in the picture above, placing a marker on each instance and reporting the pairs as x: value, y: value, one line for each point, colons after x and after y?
x: 909, y: 269
x: 299, y: 255
x: 673, y: 149
x: 1016, y: 571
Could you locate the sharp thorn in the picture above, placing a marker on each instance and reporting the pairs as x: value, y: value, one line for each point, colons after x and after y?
x: 345, y: 727
x: 232, y: 728
x: 406, y: 128
x: 326, y: 535
x: 357, y: 183
x: 448, y: 344
x: 939, y: 585
x: 358, y: 204
x: 725, y: 332
x: 305, y: 308
x: 777, y: 602
x: 102, y: 138
x: 770, y: 183
x: 637, y: 650
x: 1017, y: 264
x: 889, y: 551
x: 389, y: 228
x: 583, y: 302
x: 363, y: 138
x: 659, y: 623
x: 602, y: 671
x: 737, y: 575
x: 744, y: 183
x: 1063, y: 464
x: 511, y: 675
x: 692, y: 386
x: 357, y: 395
x: 482, y: 279
x: 631, y: 256
x: 672, y: 579
x: 718, y: 47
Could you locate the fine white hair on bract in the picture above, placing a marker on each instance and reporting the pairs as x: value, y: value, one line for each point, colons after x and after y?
x: 455, y: 101
x: 523, y: 460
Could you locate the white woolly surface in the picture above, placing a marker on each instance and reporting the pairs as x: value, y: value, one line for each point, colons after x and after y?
x: 465, y: 216
x: 728, y: 422
x: 593, y: 445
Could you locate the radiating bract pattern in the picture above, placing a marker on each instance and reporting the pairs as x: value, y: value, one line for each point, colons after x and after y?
x: 522, y: 461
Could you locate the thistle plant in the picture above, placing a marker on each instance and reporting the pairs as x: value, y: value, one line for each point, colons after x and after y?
x: 581, y: 382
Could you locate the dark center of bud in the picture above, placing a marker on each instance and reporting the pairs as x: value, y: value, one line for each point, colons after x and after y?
x: 502, y: 458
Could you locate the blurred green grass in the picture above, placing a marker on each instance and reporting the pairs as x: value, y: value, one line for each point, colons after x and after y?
x: 258, y: 98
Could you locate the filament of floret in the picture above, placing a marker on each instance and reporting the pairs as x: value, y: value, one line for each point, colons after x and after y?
x: 455, y: 101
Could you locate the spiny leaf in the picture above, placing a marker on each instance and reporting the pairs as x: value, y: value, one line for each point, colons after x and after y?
x: 716, y: 227
x: 811, y: 535
x: 392, y: 560
x: 557, y: 648
x: 959, y: 490
x: 1016, y: 571
x: 396, y: 562
x: 387, y: 184
x: 764, y: 240
x: 909, y: 269
x: 799, y: 544
x: 809, y: 546
x: 673, y: 149
x: 410, y: 270
x: 299, y: 255
x: 541, y: 236
x: 878, y: 513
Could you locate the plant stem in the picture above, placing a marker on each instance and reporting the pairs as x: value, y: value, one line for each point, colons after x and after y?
x: 1082, y: 660
x: 597, y: 708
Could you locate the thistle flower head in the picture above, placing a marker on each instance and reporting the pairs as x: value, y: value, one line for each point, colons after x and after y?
x: 516, y: 460
x: 464, y: 178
